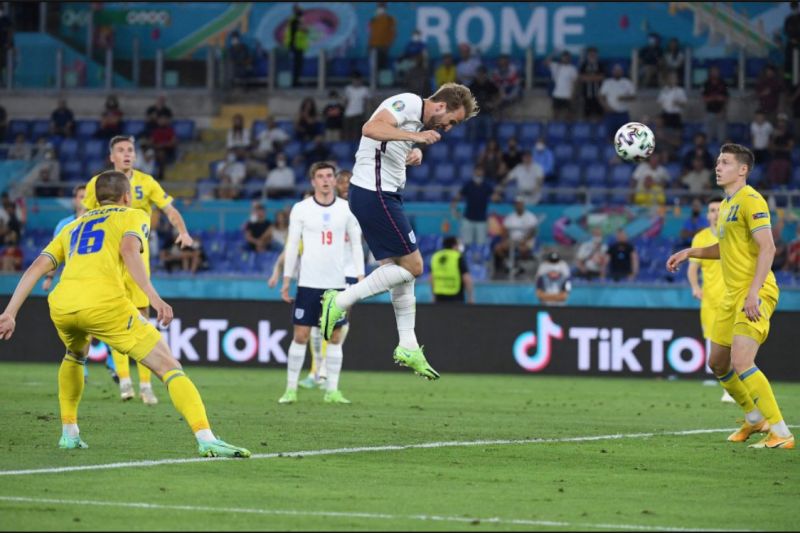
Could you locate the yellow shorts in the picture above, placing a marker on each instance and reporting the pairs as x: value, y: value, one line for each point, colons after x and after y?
x: 731, y: 320
x: 708, y: 314
x: 120, y: 325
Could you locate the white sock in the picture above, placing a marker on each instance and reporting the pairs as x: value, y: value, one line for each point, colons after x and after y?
x: 380, y: 280
x: 405, y: 313
x: 780, y: 429
x: 333, y: 363
x: 316, y: 350
x: 145, y: 385
x: 297, y: 355
x: 204, y: 435
x: 343, y: 333
x: 70, y: 430
x: 125, y: 381
x: 754, y: 416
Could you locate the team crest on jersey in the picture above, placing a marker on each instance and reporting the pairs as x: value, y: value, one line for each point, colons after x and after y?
x: 398, y: 105
x: 412, y: 237
x: 299, y: 313
x: 756, y: 216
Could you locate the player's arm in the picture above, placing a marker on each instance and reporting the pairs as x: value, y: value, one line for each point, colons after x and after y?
x: 634, y: 264
x: 354, y: 233
x: 291, y: 252
x: 707, y: 252
x: 383, y: 127
x: 766, y: 254
x: 277, y: 270
x: 176, y: 219
x: 40, y: 266
x: 131, y: 251
x: 694, y: 279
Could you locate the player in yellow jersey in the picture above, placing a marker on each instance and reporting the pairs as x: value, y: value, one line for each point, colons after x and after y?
x: 746, y: 251
x: 91, y: 299
x: 146, y: 192
x: 713, y: 289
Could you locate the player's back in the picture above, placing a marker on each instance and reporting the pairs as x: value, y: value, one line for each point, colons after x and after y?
x: 89, y: 247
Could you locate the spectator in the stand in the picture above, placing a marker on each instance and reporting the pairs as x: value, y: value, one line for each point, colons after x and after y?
x: 779, y: 169
x: 791, y: 39
x: 233, y: 168
x: 468, y: 64
x: 793, y: 253
x: 226, y: 190
x: 150, y: 124
x: 669, y: 140
x: 238, y: 134
x: 553, y: 283
x: 476, y: 193
x: 295, y: 39
x: 491, y: 159
x: 270, y: 140
x: 648, y: 181
x: 544, y: 157
x: 794, y: 101
x: 12, y: 257
x: 450, y: 276
x: 446, y: 71
x: 258, y: 230
x: 21, y: 149
x: 673, y: 100
x: 356, y: 97
x: 110, y: 120
x: 697, y: 220
x: 591, y: 76
x: 418, y: 79
x: 650, y: 60
x: 12, y: 215
x: 306, y: 126
x: 698, y: 179
x: 699, y: 149
x: 333, y: 115
x: 280, y: 180
x: 565, y: 76
x: 623, y: 262
x: 146, y: 162
x: 529, y: 177
x: 48, y: 175
x: 6, y: 42
x: 512, y: 155
x: 382, y: 32
x: 673, y: 59
x: 519, y: 232
x: 488, y: 97
x: 3, y: 122
x: 41, y: 148
x: 650, y: 193
x: 171, y: 255
x: 592, y: 256
x: 165, y: 143
x: 781, y: 258
x: 318, y: 151
x: 160, y: 108
x: 768, y: 91
x: 616, y: 93
x: 507, y: 79
x: 415, y: 49
x: 760, y: 133
x: 280, y: 230
x: 715, y: 96
x: 62, y: 120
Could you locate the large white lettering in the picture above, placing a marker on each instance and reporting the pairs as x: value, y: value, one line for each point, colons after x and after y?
x: 180, y: 341
x: 622, y: 351
x: 584, y: 336
x: 213, y: 327
x: 512, y: 34
x: 270, y: 343
x: 562, y: 28
x: 657, y: 338
x: 434, y: 23
x: 487, y: 32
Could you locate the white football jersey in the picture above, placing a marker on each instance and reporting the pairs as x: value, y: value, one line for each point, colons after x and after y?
x: 351, y: 269
x: 322, y: 229
x: 383, y: 164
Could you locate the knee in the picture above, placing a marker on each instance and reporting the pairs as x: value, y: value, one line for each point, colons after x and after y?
x: 719, y: 368
x: 416, y: 268
x: 301, y: 337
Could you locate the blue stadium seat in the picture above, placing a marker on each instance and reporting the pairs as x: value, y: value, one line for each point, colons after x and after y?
x: 292, y: 149
x: 419, y: 175
x: 588, y: 153
x: 205, y: 189
x: 621, y: 175
x: 465, y: 172
x: 754, y: 66
x: 506, y: 130
x: 529, y: 132
x: 582, y: 132
x: 795, y: 183
x: 16, y: 126
x: 463, y: 152
x: 432, y: 195
x: 287, y: 126
x: 756, y: 175
x: 674, y: 170
x: 595, y: 175
x: 94, y: 148
x: 184, y: 129
x: 600, y: 131
x: 429, y: 243
x: 459, y: 133
x: 437, y: 153
x: 557, y: 132
x: 85, y: 129
x: 40, y: 128
x: 609, y: 152
x: 445, y: 174
x: 478, y: 271
x: 738, y: 131
x: 257, y: 128
x: 133, y: 127
x: 72, y: 170
x: 342, y: 149
x: 564, y: 152
x: 570, y: 175
x: 96, y: 166
x: 69, y: 148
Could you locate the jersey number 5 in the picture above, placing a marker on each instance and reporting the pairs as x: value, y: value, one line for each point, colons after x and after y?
x: 327, y: 237
x: 87, y: 239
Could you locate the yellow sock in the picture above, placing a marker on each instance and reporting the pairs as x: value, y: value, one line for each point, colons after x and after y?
x: 70, y: 388
x: 186, y: 399
x: 737, y: 390
x: 122, y: 363
x: 761, y: 392
x: 144, y: 374
x: 314, y: 369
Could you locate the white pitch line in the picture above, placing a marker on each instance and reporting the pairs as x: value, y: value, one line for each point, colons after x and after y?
x: 339, y: 451
x: 341, y: 514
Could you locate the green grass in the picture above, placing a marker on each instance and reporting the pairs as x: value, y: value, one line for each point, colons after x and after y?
x: 678, y: 481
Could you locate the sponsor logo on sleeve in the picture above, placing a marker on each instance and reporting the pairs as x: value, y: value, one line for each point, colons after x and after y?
x: 757, y: 216
x: 398, y: 105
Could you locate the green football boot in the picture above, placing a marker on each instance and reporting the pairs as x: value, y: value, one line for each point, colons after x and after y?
x: 290, y: 396
x: 220, y: 448
x: 71, y: 443
x: 415, y: 360
x: 308, y: 383
x: 331, y: 313
x: 335, y: 396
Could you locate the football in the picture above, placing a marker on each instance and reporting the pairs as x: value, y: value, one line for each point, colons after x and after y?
x: 634, y: 142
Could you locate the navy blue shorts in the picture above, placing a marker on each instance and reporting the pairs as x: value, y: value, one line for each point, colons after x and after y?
x: 308, y: 307
x: 385, y: 226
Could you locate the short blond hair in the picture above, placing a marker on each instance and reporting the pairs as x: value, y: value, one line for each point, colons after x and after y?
x: 455, y: 96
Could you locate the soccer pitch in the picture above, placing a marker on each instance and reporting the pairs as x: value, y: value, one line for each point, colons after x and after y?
x: 467, y: 452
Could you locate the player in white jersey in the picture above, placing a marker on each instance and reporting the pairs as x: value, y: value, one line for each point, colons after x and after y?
x: 322, y: 222
x: 387, y: 147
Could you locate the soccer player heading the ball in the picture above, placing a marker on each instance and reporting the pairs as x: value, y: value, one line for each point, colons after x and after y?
x: 390, y: 141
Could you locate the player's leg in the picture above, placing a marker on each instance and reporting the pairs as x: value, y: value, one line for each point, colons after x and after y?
x: 707, y: 319
x: 70, y: 379
x: 294, y: 365
x: 123, y: 366
x: 145, y: 382
x: 315, y: 345
x: 333, y: 363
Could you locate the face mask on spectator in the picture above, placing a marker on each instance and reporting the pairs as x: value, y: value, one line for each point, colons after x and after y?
x: 477, y: 179
x: 540, y: 146
x: 380, y: 11
x: 281, y: 163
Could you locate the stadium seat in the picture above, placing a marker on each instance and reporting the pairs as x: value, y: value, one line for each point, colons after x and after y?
x: 556, y: 132
x: 621, y: 175
x: 429, y: 243
x: 478, y: 271
x: 419, y: 175
x: 463, y: 152
x: 459, y: 133
x: 39, y: 128
x: 674, y: 170
x: 257, y: 127
x: 69, y: 148
x: 506, y: 130
x: 86, y: 129
x: 564, y: 153
x: 292, y: 149
x: 133, y: 127
x: 756, y: 175
x: 437, y: 153
x: 582, y: 132
x: 184, y: 129
x: 432, y: 195
x: 15, y: 127
x: 445, y: 174
x: 465, y: 172
x: 341, y: 149
x: 795, y: 183
x: 529, y: 132
x: 738, y: 131
x: 96, y: 166
x: 72, y: 170
x: 570, y: 175
x: 596, y: 175
x: 588, y: 153
x: 94, y: 149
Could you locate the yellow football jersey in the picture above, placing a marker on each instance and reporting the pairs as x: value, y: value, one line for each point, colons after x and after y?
x: 89, y: 247
x: 713, y: 284
x: 145, y: 191
x: 741, y: 215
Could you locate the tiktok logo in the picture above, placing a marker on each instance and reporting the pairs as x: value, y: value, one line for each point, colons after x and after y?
x: 546, y: 330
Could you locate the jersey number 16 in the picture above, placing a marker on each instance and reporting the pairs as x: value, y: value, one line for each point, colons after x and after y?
x: 88, y: 239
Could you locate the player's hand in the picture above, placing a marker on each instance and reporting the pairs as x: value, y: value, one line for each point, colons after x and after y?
x: 184, y: 240
x: 285, y: 294
x: 414, y: 157
x: 7, y: 325
x: 697, y: 293
x: 272, y: 282
x: 751, y: 306
x: 47, y: 283
x: 163, y: 311
x: 427, y: 137
x: 675, y: 260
